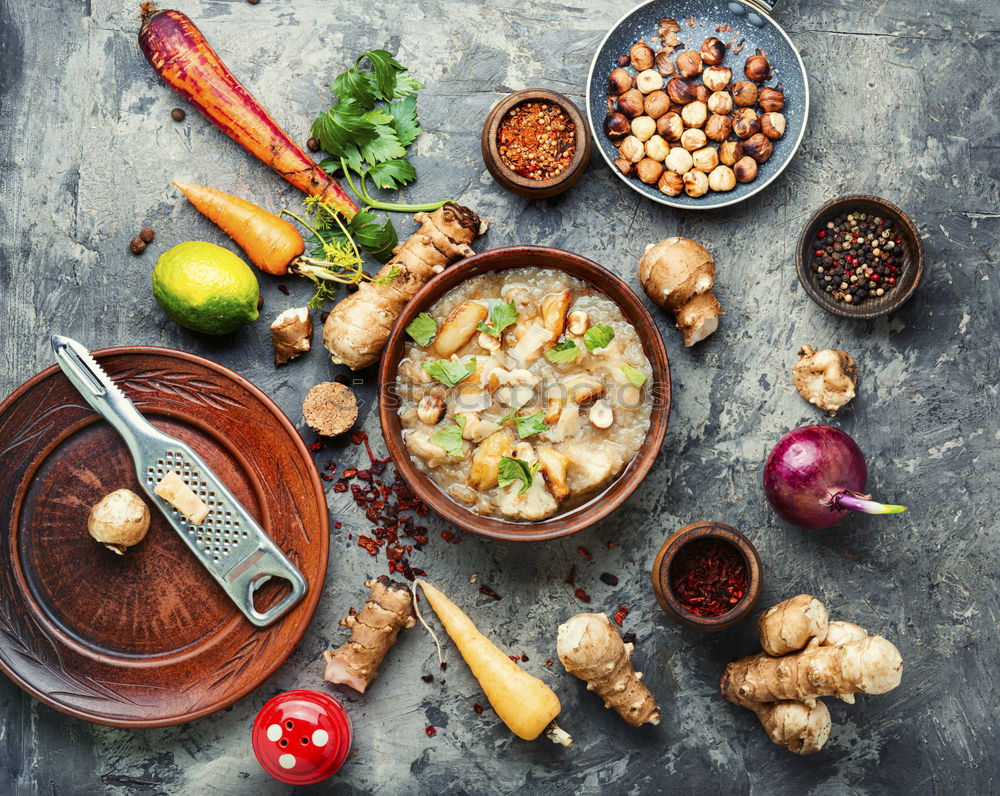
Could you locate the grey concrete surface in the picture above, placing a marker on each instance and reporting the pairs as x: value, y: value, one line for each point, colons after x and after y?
x: 904, y: 106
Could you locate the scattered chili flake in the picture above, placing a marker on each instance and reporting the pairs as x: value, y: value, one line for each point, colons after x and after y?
x: 611, y: 545
x: 368, y: 544
x: 571, y: 577
x: 478, y: 708
x: 326, y: 476
x: 524, y: 657
x: 583, y: 551
x: 628, y: 638
x: 350, y: 472
x: 448, y: 536
x: 484, y: 589
x: 427, y: 678
x: 431, y: 732
x: 283, y: 289
x: 708, y: 577
x: 351, y: 612
x: 317, y: 445
x: 514, y: 658
x: 536, y: 140
x: 582, y: 596
x: 338, y: 525
x: 607, y: 577
x: 548, y: 661
x: 620, y: 614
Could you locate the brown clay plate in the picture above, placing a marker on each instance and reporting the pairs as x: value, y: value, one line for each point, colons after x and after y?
x: 147, y: 639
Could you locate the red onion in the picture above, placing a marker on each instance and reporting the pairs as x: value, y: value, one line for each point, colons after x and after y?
x: 816, y: 475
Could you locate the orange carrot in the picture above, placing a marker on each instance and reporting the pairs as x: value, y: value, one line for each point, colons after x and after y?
x: 178, y: 51
x: 269, y: 241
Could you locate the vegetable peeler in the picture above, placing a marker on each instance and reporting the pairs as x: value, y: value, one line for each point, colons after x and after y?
x: 229, y: 542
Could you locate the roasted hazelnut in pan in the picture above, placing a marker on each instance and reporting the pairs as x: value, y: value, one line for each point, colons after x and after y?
x: 630, y: 103
x: 643, y: 128
x: 616, y: 126
x: 757, y: 68
x: 619, y: 81
x: 679, y: 160
x: 663, y: 64
x: 746, y: 123
x: 649, y: 170
x: 772, y: 125
x: 693, y: 139
x: 695, y: 183
x: 656, y: 104
x: 730, y: 152
x: 721, y: 178
x: 744, y: 94
x: 657, y: 148
x: 641, y: 55
x: 680, y: 90
x: 745, y: 169
x: 720, y: 102
x: 713, y: 51
x: 716, y: 78
x: 632, y: 149
x: 671, y: 183
x: 718, y: 128
x: 771, y: 99
x: 624, y: 166
x: 649, y: 81
x: 695, y: 114
x: 759, y: 147
x: 705, y: 159
x: 670, y: 126
x: 688, y: 63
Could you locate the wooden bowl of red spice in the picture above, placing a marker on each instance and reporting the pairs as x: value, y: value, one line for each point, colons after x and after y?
x: 536, y: 143
x: 707, y: 576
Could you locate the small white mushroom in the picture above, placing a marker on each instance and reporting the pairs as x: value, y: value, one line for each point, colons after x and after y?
x: 601, y: 414
x: 577, y: 322
x: 430, y: 410
x: 119, y: 520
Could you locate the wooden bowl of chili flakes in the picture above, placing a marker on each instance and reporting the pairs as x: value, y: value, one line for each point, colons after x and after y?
x: 536, y: 143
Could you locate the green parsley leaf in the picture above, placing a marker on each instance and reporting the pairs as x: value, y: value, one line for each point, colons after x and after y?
x: 598, y: 336
x: 346, y: 126
x: 502, y: 315
x: 422, y: 328
x: 406, y: 85
x: 392, y: 173
x: 385, y: 68
x: 511, y: 470
x: 404, y: 119
x: 357, y: 86
x: 450, y: 373
x: 532, y: 424
x: 385, y: 146
x: 562, y: 352
x: 634, y: 375
x: 450, y: 438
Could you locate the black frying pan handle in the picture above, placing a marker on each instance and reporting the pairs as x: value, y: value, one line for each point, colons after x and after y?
x: 756, y: 10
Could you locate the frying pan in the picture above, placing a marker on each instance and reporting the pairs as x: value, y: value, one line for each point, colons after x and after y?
x: 751, y: 22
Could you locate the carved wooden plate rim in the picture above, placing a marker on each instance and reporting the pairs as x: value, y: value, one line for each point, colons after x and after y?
x: 122, y: 690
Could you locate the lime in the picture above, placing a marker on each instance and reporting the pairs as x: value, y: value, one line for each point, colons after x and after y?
x: 205, y: 287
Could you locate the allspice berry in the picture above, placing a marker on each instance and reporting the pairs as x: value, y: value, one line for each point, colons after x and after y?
x: 137, y: 246
x: 177, y: 114
x: 146, y: 234
x: 313, y: 144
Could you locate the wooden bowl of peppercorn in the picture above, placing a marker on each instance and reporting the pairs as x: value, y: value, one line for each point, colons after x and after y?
x: 536, y: 143
x: 707, y: 576
x: 860, y: 256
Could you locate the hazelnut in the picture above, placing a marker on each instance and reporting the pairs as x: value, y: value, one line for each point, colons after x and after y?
x: 679, y: 160
x: 695, y: 114
x: 701, y: 93
x: 688, y: 63
x: 744, y: 93
x: 577, y: 323
x: 680, y: 90
x: 771, y: 99
x: 649, y: 81
x: 624, y: 60
x: 693, y: 139
x: 670, y: 126
x: 757, y: 68
x: 730, y: 152
x: 718, y: 127
x: 772, y: 124
x: 641, y: 56
x: 624, y: 166
x: 663, y: 64
x: 713, y: 51
x: 716, y: 78
x: 632, y: 149
x: 722, y: 179
x: 630, y: 103
x: 705, y: 159
x: 657, y: 148
x: 695, y: 183
x: 720, y: 102
x: 649, y: 170
x: 745, y: 169
x: 759, y: 147
x: 619, y: 81
x: 616, y: 126
x: 601, y: 414
x: 431, y: 409
x: 671, y: 183
x: 747, y: 123
x: 643, y: 127
x: 656, y: 104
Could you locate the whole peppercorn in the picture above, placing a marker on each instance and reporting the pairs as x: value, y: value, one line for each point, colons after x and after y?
x: 146, y: 234
x: 312, y: 144
x: 253, y: 2
x: 137, y: 246
x: 177, y: 114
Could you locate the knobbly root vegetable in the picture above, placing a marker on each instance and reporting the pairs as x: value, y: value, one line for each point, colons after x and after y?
x: 357, y: 328
x: 271, y: 242
x: 179, y: 53
x: 832, y: 659
x: 591, y: 648
x: 374, y: 630
x: 524, y: 703
x: 678, y: 274
x: 119, y: 520
x: 291, y: 334
x: 827, y: 378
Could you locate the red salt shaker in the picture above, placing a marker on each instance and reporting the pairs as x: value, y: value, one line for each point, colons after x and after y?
x: 302, y: 737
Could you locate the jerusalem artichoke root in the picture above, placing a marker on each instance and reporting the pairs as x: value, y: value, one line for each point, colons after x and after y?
x: 823, y: 659
x: 291, y: 334
x: 358, y: 326
x: 374, y: 630
x: 826, y: 379
x: 591, y: 648
x: 678, y: 274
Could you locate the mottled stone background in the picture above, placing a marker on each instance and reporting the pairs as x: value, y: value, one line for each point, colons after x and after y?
x: 904, y: 106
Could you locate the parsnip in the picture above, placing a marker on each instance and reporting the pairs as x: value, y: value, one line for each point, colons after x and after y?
x: 459, y: 327
x: 524, y: 703
x: 486, y: 459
